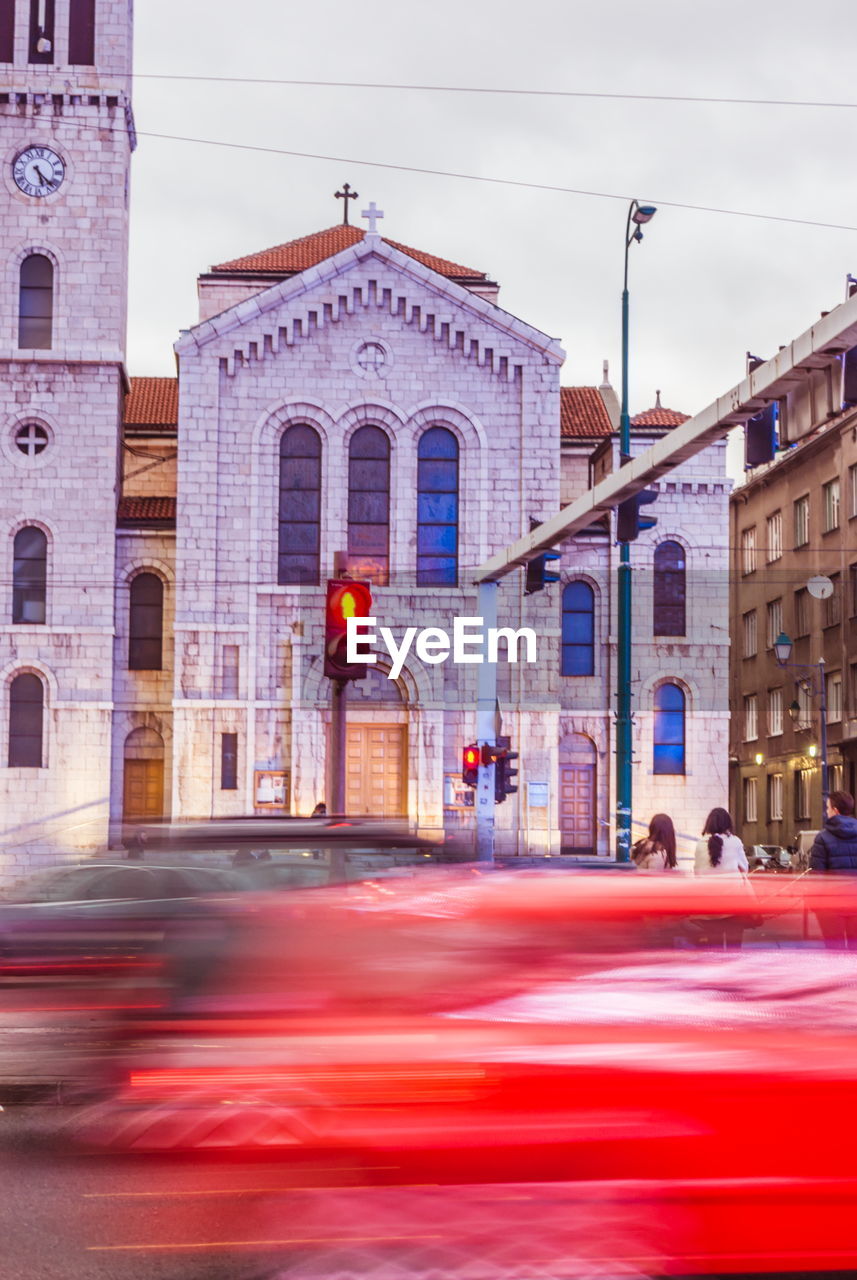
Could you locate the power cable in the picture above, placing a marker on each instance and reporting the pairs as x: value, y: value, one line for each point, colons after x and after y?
x: 493, y: 89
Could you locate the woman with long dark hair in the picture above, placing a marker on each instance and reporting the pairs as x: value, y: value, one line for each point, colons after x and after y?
x: 657, y: 851
x: 722, y: 853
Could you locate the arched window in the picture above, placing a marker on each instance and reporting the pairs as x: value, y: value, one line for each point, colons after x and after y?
x: 146, y: 624
x: 29, y: 575
x: 26, y: 702
x: 437, y: 509
x: 300, y: 505
x: 578, y: 630
x: 670, y: 590
x: 669, y: 736
x: 36, y: 302
x: 369, y: 504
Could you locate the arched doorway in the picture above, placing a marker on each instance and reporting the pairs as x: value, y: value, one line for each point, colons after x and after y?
x: 143, y: 792
x: 577, y: 794
x: 376, y: 747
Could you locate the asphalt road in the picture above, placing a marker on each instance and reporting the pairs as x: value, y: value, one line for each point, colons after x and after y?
x: 69, y: 1216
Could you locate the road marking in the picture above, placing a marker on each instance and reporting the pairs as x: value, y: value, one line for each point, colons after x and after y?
x: 253, y: 1244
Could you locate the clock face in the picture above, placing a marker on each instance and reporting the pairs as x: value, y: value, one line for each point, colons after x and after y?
x: 38, y: 171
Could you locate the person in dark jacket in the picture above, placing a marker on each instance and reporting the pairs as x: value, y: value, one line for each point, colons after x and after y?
x: 835, y: 853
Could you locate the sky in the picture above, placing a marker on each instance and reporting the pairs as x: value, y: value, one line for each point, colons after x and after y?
x: 706, y: 287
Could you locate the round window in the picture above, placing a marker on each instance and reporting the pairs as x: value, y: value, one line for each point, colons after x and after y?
x: 32, y: 439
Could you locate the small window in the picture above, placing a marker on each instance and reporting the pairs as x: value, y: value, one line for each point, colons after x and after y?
x: 748, y: 550
x: 751, y: 718
x: 437, y: 508
x: 774, y: 531
x: 41, y: 41
x: 146, y: 628
x: 669, y: 730
x: 852, y: 687
x: 852, y: 491
x: 229, y: 762
x: 803, y: 783
x: 802, y: 612
x: 775, y: 797
x: 29, y: 575
x: 81, y: 33
x: 300, y: 505
x: 31, y: 439
x: 833, y: 691
x: 775, y: 712
x: 26, y: 707
x: 775, y: 621
x: 578, y: 630
x: 852, y: 590
x: 7, y: 31
x: 803, y: 697
x: 36, y: 302
x: 801, y: 510
x: 750, y: 800
x: 749, y: 633
x: 670, y: 589
x: 833, y: 603
x: 836, y: 777
x: 830, y: 505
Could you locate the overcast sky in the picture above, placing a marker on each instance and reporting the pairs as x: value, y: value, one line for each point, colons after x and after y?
x: 705, y: 287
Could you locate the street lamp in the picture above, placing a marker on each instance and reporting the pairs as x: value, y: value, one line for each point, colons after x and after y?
x: 782, y: 653
x: 638, y: 216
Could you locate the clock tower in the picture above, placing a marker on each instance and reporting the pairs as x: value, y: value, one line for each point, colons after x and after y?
x: 66, y: 138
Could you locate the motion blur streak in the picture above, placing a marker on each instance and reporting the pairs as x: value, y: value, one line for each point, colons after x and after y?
x: 662, y: 1069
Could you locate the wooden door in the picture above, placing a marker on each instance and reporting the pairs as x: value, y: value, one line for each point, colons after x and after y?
x: 577, y: 808
x: 375, y: 770
x: 144, y: 790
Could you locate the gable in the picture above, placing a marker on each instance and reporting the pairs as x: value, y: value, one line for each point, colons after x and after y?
x: 371, y: 277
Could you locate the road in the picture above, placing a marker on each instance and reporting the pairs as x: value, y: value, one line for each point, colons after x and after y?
x: 68, y: 1216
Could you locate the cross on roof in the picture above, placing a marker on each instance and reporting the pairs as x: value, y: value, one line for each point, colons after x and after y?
x: 346, y: 194
x: 373, y: 214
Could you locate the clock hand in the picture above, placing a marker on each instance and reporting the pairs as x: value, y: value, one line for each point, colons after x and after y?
x: 42, y: 178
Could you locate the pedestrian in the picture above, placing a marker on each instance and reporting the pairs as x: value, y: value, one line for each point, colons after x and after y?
x: 135, y: 844
x: 721, y: 854
x: 320, y: 810
x: 834, y: 852
x: 656, y: 851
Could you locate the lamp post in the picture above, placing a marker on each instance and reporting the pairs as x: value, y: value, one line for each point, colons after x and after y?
x: 782, y: 653
x: 638, y: 215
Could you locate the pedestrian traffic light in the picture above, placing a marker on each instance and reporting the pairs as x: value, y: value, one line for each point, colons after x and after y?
x: 538, y: 574
x: 629, y: 522
x: 470, y: 760
x: 345, y: 599
x: 760, y: 437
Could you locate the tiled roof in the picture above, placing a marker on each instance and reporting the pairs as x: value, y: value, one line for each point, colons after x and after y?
x: 297, y: 255
x: 152, y: 402
x: 144, y: 509
x: 582, y: 413
x: 659, y: 417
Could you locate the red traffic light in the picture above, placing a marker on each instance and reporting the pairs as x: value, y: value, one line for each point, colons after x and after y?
x: 345, y: 599
x: 470, y: 760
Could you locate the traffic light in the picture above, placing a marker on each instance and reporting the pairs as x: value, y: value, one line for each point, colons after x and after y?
x: 760, y: 437
x: 470, y: 760
x: 629, y: 522
x: 538, y: 574
x: 345, y: 599
x: 503, y: 771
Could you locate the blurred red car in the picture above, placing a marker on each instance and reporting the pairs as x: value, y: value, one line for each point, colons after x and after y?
x: 567, y: 1032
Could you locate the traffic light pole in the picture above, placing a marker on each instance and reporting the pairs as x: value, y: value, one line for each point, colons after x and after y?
x: 339, y: 689
x: 486, y: 730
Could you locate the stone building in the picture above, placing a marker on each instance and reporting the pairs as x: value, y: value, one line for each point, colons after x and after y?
x: 792, y: 522
x: 342, y: 394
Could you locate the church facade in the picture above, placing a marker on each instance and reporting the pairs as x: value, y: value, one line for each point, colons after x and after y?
x: 341, y: 400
